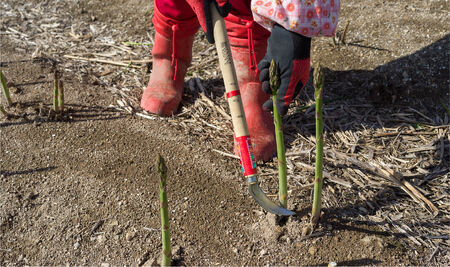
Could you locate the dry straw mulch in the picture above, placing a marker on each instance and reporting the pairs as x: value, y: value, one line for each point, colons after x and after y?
x: 387, y: 165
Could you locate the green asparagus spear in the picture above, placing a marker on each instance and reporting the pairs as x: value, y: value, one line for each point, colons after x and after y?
x: 55, y: 91
x: 61, y: 96
x: 318, y: 181
x: 282, y: 176
x: 5, y: 88
x: 167, y: 251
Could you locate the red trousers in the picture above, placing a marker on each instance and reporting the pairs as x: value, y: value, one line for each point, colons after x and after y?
x: 240, y: 14
x: 180, y: 10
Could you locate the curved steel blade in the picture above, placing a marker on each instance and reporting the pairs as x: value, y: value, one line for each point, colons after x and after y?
x: 267, y: 204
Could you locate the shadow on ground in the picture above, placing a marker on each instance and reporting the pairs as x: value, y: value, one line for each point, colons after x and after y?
x: 7, y: 174
x: 36, y: 113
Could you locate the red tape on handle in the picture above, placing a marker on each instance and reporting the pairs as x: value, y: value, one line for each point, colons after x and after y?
x: 233, y: 93
x: 244, y: 148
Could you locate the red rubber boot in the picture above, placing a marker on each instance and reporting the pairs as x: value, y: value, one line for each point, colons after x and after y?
x: 248, y: 43
x: 172, y: 55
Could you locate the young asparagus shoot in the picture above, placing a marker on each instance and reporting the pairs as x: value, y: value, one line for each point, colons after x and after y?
x: 281, y: 153
x: 5, y: 88
x: 55, y: 91
x: 165, y: 232
x: 318, y: 180
x: 61, y: 96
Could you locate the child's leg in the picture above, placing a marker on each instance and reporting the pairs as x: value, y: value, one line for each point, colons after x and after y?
x: 241, y: 8
x: 248, y: 42
x: 175, y: 9
x: 175, y: 24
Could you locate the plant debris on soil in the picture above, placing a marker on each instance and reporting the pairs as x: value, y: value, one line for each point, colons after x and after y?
x: 81, y: 188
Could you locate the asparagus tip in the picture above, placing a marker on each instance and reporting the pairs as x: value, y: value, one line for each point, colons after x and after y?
x: 274, y: 76
x: 318, y: 76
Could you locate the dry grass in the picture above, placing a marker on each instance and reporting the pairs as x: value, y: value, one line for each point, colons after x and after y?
x: 411, y: 140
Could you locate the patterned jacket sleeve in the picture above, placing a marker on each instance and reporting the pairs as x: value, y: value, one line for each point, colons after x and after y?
x: 307, y: 17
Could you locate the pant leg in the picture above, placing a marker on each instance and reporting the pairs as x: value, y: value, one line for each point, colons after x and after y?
x: 241, y: 8
x: 175, y: 9
x: 237, y: 21
x: 180, y: 9
x: 240, y: 25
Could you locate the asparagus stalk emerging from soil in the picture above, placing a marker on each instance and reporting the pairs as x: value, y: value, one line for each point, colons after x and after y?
x: 165, y: 232
x: 61, y: 96
x: 282, y: 177
x: 55, y: 91
x: 5, y: 88
x: 318, y: 181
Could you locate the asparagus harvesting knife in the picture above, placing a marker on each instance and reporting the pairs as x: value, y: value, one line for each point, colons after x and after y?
x: 241, y: 133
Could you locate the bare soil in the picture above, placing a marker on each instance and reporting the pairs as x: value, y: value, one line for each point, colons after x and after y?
x: 82, y: 189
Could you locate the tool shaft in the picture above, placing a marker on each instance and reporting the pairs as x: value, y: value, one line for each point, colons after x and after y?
x: 241, y: 133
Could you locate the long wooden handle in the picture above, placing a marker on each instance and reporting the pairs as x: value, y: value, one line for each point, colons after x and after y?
x: 229, y: 74
x: 241, y: 134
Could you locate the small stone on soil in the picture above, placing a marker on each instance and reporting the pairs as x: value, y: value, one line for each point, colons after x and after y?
x: 312, y: 250
x: 101, y: 238
x: 176, y: 251
x: 152, y: 262
x: 263, y: 252
x: 15, y: 90
x: 368, y: 240
x: 130, y: 235
x: 307, y: 230
x: 271, y: 219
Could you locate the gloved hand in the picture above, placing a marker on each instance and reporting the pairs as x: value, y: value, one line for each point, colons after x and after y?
x: 291, y: 53
x: 203, y: 12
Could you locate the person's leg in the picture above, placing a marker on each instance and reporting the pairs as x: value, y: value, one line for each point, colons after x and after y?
x: 175, y: 9
x: 175, y: 24
x: 248, y: 42
x: 241, y: 8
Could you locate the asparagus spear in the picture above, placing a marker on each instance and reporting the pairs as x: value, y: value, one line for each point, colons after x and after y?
x: 55, y: 91
x: 165, y: 232
x: 318, y: 181
x: 282, y: 176
x: 5, y: 88
x: 61, y: 96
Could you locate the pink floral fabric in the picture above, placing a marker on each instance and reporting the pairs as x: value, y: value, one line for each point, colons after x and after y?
x: 307, y: 17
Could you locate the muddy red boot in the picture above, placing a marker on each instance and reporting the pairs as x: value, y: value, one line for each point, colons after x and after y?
x: 248, y: 43
x: 172, y: 55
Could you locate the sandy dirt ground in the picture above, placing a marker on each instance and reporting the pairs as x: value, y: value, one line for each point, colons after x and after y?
x: 82, y: 189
